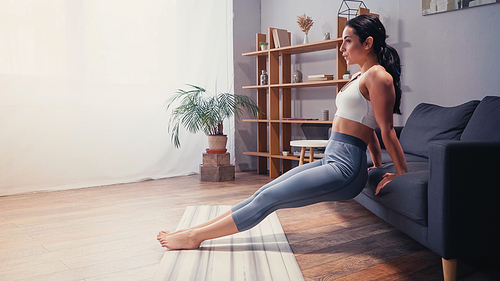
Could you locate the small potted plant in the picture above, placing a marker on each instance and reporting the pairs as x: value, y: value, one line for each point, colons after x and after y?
x: 263, y: 45
x: 347, y: 75
x: 197, y: 110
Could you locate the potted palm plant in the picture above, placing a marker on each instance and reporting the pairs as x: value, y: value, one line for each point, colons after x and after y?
x: 198, y: 110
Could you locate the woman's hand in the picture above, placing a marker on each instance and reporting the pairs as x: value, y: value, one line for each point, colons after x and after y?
x: 385, y: 180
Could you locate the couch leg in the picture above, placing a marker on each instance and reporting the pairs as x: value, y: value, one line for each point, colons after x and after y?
x: 450, y: 269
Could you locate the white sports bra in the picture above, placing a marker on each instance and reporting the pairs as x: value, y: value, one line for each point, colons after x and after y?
x: 352, y: 105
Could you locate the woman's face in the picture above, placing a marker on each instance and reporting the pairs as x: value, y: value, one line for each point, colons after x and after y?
x: 352, y: 49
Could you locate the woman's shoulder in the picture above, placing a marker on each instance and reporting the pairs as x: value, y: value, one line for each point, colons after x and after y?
x: 377, y: 75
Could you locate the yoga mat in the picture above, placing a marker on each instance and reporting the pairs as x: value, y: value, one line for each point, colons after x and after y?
x: 261, y: 253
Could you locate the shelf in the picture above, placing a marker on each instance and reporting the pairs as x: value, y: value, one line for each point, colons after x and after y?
x: 303, y: 121
x: 288, y: 121
x: 312, y: 84
x: 256, y: 87
x: 289, y: 157
x: 266, y: 154
x: 300, y: 49
x: 255, y: 120
x: 327, y: 83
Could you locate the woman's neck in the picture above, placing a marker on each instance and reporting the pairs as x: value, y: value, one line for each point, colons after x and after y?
x: 368, y: 63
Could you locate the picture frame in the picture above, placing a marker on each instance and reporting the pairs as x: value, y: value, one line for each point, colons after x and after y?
x: 438, y: 6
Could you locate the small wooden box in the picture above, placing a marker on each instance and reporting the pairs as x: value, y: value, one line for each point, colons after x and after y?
x: 215, y: 160
x: 218, y: 173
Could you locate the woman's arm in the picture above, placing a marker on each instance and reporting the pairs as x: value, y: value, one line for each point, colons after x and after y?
x: 375, y: 151
x: 382, y: 96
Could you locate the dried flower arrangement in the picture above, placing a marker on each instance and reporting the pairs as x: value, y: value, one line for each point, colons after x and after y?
x: 305, y: 22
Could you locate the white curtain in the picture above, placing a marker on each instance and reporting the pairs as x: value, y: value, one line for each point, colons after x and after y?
x: 83, y: 85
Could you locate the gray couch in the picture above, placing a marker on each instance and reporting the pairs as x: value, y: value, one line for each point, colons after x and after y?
x: 449, y: 200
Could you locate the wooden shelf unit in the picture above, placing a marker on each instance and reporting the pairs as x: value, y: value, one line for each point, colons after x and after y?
x: 274, y: 99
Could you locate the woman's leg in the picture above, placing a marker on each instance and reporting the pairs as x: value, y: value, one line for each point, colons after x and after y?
x: 278, y: 180
x: 305, y: 188
x: 162, y: 235
x: 342, y: 176
x: 222, y: 225
x: 192, y: 238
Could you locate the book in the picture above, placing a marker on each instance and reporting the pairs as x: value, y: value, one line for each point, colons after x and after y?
x: 319, y: 79
x: 280, y: 37
x: 283, y: 38
x: 321, y: 76
x: 275, y: 38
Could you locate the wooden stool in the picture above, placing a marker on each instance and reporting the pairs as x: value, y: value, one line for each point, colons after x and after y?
x: 308, y: 143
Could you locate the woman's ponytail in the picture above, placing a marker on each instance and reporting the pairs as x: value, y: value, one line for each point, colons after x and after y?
x: 388, y: 57
x: 365, y: 26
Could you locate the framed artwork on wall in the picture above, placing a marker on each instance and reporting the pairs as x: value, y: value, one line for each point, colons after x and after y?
x: 438, y: 6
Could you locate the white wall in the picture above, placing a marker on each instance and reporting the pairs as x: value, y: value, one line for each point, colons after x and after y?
x: 83, y: 85
x: 447, y: 58
x: 246, y: 23
x: 451, y: 57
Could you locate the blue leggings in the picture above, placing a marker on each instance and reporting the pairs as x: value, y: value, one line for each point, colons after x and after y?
x: 340, y: 175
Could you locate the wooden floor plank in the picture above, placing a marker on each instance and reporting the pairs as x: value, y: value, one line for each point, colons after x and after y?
x: 395, y: 268
x: 32, y: 271
x: 9, y: 255
x: 100, y: 269
x: 135, y: 274
x: 105, y: 238
x: 87, y: 254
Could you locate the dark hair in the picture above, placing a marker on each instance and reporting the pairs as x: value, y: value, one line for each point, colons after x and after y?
x: 365, y: 26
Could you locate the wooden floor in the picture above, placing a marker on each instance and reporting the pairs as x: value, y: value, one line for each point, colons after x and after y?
x: 109, y: 233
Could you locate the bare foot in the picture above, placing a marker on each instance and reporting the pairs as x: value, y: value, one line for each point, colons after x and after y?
x: 179, y: 240
x: 164, y: 234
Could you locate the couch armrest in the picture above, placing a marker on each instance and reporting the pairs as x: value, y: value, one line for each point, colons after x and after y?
x: 398, y: 130
x: 464, y: 198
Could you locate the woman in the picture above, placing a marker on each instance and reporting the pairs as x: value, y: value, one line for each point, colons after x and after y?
x: 370, y: 98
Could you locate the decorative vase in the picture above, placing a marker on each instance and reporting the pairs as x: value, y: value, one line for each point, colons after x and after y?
x: 306, y: 39
x: 264, y: 78
x: 325, y: 115
x: 217, y: 144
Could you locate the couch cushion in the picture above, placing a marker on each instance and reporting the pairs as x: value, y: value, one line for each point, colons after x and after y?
x: 406, y: 194
x: 386, y: 158
x: 484, y: 125
x: 429, y: 122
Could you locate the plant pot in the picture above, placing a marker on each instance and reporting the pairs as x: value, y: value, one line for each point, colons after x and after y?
x: 217, y: 144
x: 263, y: 47
x: 346, y: 76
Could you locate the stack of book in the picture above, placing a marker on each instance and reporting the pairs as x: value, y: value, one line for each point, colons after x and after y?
x: 319, y: 77
x: 280, y: 37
